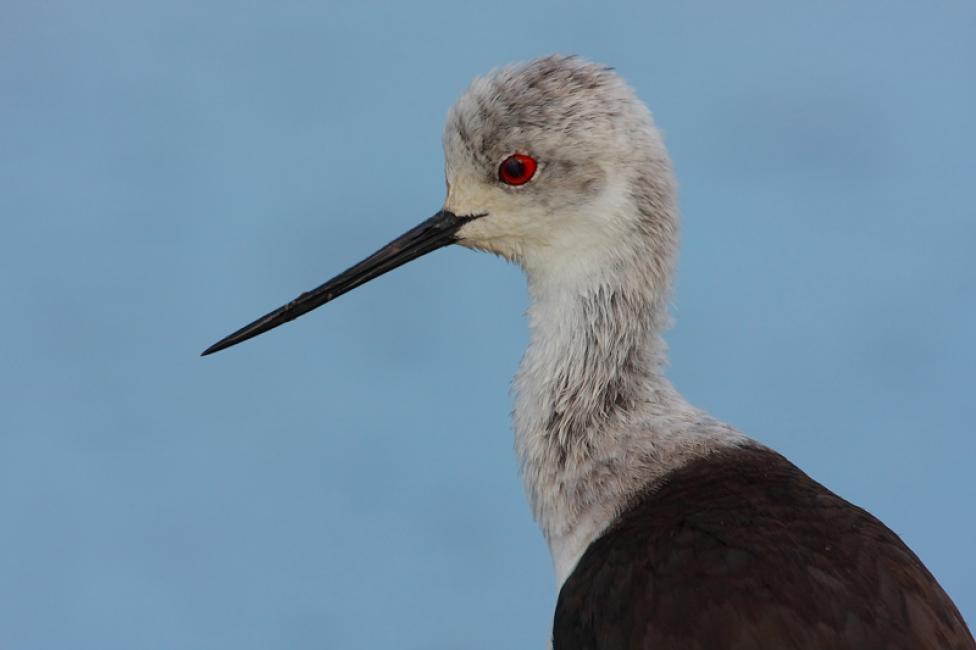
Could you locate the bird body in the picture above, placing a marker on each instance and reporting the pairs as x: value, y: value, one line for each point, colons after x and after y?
x: 667, y: 528
x: 741, y: 549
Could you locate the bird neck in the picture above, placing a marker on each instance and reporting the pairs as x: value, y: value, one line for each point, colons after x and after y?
x: 595, y: 351
x: 595, y: 419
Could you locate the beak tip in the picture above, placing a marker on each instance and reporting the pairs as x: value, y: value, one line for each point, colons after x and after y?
x: 216, y: 347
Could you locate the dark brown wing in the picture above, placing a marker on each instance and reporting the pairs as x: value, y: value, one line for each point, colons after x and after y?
x: 743, y: 550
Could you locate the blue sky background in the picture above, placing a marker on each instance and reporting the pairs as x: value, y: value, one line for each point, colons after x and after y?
x: 171, y: 170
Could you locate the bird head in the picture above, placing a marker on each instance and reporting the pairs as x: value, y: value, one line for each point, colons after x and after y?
x: 554, y: 164
x: 565, y: 163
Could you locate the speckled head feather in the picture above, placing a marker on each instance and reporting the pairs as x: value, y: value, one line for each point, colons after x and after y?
x: 604, y: 177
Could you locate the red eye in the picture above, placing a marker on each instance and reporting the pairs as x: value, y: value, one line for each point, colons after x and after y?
x: 517, y: 169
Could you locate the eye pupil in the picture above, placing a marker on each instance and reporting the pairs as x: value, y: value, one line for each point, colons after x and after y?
x: 517, y: 169
x: 514, y: 167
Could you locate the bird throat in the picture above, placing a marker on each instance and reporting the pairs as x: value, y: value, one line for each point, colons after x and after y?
x: 592, y: 364
x: 596, y: 422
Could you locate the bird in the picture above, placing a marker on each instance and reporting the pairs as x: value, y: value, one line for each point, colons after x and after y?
x: 667, y: 528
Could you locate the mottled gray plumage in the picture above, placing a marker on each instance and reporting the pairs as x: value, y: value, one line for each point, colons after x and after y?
x: 596, y: 232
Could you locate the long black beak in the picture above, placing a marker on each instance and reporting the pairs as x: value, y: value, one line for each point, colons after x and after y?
x: 436, y: 232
